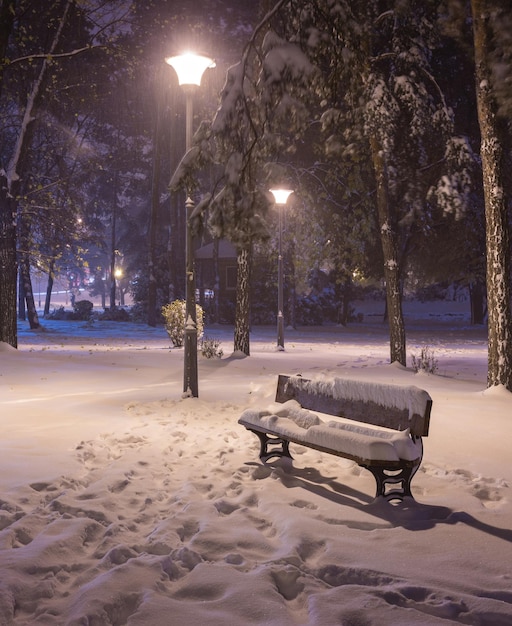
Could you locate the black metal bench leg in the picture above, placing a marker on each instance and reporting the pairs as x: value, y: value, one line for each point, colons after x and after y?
x: 400, y: 479
x: 266, y: 447
x: 393, y: 484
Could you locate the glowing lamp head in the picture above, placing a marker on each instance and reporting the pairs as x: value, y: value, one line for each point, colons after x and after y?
x: 190, y: 67
x: 281, y: 195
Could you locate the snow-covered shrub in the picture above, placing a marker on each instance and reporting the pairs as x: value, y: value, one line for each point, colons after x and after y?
x: 58, y: 314
x: 317, y: 309
x: 139, y: 312
x: 425, y: 362
x: 309, y: 311
x: 82, y: 310
x: 115, y: 315
x: 210, y: 348
x: 174, y: 320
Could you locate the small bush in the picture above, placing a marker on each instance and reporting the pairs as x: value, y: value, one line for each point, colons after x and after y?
x: 174, y: 320
x: 82, y: 310
x: 58, y: 314
x: 210, y: 348
x: 425, y: 362
x: 139, y: 312
x: 115, y: 315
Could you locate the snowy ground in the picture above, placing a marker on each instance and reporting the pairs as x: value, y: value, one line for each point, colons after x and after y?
x: 122, y: 503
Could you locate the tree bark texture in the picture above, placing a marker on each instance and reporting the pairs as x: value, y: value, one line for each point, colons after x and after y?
x: 499, y: 370
x: 49, y: 288
x: 216, y: 287
x: 155, y: 204
x: 242, y: 314
x: 177, y: 218
x: 8, y: 262
x: 22, y: 309
x: 32, y: 316
x: 477, y: 302
x: 7, y: 17
x: 290, y: 282
x: 8, y: 266
x: 113, y: 238
x: 25, y: 279
x: 389, y: 242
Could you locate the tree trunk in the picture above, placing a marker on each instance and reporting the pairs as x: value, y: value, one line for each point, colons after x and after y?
x: 49, y: 288
x: 290, y: 284
x: 242, y: 314
x: 113, y: 236
x: 25, y: 279
x: 216, y: 287
x: 155, y: 204
x: 346, y: 302
x: 174, y: 291
x: 7, y: 17
x: 33, y: 318
x: 8, y: 266
x: 476, y: 301
x: 22, y: 309
x: 389, y: 242
x: 496, y: 220
x: 177, y: 217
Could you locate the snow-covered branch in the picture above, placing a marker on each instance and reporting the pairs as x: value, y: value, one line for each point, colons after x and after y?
x: 28, y: 115
x: 47, y: 56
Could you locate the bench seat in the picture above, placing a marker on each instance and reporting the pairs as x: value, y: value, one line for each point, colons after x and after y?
x: 365, y: 443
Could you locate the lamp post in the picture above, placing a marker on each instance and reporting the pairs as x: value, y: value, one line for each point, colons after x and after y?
x: 280, y: 198
x: 190, y: 68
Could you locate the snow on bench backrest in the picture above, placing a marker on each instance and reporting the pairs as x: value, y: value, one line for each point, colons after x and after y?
x: 391, y: 406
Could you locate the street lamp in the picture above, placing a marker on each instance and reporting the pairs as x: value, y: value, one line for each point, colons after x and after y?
x: 190, y: 68
x: 280, y: 197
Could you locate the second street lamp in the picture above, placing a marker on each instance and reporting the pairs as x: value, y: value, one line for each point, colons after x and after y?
x: 280, y: 197
x: 190, y: 68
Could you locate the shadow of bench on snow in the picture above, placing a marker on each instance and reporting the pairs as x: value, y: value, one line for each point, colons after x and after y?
x: 409, y: 514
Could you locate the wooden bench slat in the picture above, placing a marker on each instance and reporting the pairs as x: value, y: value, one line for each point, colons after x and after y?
x: 321, y: 396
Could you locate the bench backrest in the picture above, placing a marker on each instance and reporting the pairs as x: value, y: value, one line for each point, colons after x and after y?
x: 391, y: 406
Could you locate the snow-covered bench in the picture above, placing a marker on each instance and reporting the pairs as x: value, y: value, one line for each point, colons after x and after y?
x: 379, y: 426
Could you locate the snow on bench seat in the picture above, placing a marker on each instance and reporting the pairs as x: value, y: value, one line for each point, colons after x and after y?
x: 373, y: 443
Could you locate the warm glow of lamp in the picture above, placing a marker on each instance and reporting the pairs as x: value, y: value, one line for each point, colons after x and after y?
x: 190, y: 67
x: 281, y: 195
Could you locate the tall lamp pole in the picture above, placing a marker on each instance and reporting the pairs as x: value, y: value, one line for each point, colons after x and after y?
x: 280, y: 197
x: 190, y: 68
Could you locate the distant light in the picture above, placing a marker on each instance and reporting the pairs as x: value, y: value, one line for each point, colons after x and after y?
x: 281, y: 195
x: 190, y: 67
